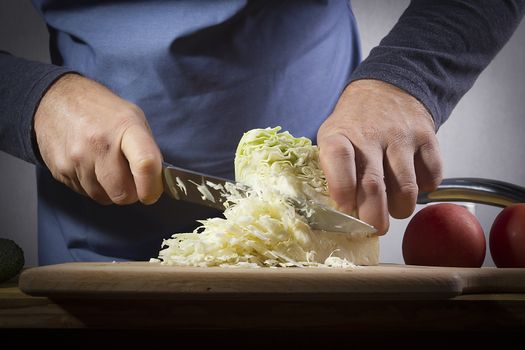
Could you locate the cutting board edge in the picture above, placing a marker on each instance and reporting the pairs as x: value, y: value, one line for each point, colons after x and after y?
x: 63, y: 281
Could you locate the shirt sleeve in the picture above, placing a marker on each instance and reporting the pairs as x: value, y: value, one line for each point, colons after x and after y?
x: 438, y: 48
x: 22, y: 85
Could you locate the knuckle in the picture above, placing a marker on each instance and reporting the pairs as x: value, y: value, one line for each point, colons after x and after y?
x: 341, y: 189
x: 436, y: 179
x: 433, y: 164
x: 119, y: 188
x: 76, y: 155
x: 128, y: 114
x: 95, y: 192
x: 431, y: 182
x: 66, y: 180
x: 372, y: 183
x: 146, y: 165
x: 428, y: 141
x: 124, y: 197
x: 408, y: 190
x: 61, y: 168
x: 338, y: 146
x: 133, y: 110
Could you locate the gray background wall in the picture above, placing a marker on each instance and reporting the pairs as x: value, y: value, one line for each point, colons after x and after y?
x: 483, y: 138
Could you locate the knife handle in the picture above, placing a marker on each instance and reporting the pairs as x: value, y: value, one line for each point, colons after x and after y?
x: 476, y: 190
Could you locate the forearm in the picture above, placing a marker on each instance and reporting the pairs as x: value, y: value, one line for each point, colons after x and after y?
x: 438, y: 48
x: 22, y: 85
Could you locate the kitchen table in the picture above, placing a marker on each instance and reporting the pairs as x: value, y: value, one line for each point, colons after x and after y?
x: 285, y: 306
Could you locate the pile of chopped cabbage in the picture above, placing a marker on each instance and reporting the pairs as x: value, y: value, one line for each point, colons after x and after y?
x: 260, y: 227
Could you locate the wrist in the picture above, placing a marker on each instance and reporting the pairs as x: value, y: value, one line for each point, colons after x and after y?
x: 45, y: 106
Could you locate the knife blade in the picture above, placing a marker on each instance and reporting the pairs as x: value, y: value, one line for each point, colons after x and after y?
x: 191, y: 186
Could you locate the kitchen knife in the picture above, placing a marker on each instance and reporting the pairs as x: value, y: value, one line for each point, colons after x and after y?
x: 203, y: 189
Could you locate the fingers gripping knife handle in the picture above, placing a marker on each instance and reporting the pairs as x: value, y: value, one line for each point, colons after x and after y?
x: 476, y: 190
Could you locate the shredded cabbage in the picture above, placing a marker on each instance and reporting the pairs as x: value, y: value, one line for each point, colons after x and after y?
x: 260, y: 227
x: 267, y: 159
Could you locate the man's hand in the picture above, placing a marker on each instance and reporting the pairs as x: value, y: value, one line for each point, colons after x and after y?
x: 378, y: 149
x: 97, y: 143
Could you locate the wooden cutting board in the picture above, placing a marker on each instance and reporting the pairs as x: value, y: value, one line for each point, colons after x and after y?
x: 146, y: 280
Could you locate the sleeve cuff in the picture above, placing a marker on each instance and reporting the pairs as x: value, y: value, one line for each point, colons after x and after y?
x: 34, y: 96
x: 23, y: 83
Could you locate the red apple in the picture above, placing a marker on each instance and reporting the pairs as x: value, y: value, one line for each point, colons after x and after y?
x: 507, y: 237
x: 444, y: 235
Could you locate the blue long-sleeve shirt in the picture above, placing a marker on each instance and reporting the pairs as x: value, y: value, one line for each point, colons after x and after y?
x: 206, y: 71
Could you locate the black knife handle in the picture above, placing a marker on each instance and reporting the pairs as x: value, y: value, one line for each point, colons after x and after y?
x: 475, y: 190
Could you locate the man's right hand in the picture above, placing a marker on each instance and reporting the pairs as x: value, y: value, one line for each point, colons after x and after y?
x: 97, y: 143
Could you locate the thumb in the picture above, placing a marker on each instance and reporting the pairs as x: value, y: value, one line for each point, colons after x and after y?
x: 145, y: 162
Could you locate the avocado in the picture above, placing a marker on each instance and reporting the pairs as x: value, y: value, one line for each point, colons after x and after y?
x: 11, y: 259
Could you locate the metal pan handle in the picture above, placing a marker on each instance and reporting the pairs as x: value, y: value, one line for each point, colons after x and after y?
x: 475, y: 190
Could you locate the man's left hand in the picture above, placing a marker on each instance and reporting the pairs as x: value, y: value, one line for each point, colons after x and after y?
x: 378, y: 149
